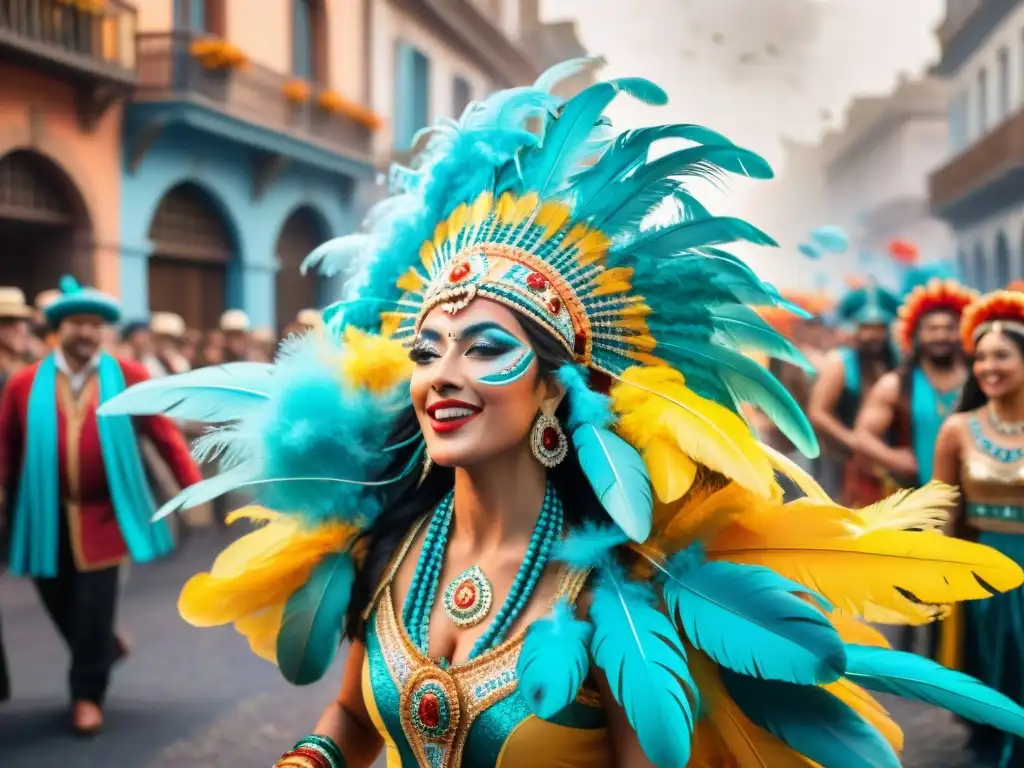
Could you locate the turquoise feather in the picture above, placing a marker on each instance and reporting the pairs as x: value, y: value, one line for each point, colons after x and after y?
x: 618, y: 476
x: 832, y: 239
x: 811, y: 721
x: 808, y: 250
x: 560, y: 150
x: 747, y: 330
x: 914, y: 677
x: 645, y: 663
x: 216, y: 394
x: 314, y: 618
x: 207, y: 490
x: 753, y: 621
x: 556, y: 74
x: 330, y: 258
x: 554, y: 661
x: 590, y: 546
x: 686, y: 235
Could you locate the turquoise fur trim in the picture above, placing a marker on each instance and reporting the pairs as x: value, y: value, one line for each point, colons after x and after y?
x: 36, y: 514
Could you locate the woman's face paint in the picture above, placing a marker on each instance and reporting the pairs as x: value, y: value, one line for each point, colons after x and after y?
x: 507, y: 357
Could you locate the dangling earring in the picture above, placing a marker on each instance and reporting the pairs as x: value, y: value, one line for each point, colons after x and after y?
x: 428, y: 464
x: 548, y: 441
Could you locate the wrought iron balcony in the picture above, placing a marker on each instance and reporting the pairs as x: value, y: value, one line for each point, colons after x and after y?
x: 985, y: 173
x: 83, y: 39
x: 172, y: 69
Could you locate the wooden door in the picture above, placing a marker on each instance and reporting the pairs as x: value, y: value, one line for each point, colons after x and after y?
x: 193, y: 289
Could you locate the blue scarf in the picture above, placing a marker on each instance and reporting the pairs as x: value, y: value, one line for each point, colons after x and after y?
x: 36, y: 531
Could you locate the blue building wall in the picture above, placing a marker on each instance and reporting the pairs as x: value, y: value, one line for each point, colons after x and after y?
x: 225, y: 171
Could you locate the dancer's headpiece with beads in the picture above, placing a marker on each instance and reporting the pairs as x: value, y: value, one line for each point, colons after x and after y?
x: 996, y: 311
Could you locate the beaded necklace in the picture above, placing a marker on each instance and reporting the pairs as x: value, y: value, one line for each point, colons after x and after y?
x: 997, y: 452
x: 419, y: 603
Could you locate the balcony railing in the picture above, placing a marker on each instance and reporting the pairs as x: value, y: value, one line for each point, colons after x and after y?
x: 985, y: 161
x: 168, y: 71
x: 95, y: 39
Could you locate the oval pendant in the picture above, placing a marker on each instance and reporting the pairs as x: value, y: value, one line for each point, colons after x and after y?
x: 467, y: 599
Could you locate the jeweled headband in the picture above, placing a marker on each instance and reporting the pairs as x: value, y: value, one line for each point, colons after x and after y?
x: 935, y: 296
x: 530, y: 257
x: 996, y: 311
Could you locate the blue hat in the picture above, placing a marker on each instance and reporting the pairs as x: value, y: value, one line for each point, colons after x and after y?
x: 869, y: 304
x: 76, y: 300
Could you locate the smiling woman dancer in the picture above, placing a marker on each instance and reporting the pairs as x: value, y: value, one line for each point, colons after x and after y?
x: 981, y: 448
x: 512, y: 471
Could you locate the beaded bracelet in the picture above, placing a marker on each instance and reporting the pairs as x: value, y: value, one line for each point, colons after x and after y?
x: 313, y: 751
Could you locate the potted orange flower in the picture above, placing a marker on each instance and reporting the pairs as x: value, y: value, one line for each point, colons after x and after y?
x: 296, y: 92
x: 336, y: 104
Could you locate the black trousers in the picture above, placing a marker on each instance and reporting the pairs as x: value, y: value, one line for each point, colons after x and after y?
x: 82, y: 605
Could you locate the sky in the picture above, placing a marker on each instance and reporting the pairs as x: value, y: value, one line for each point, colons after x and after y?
x: 755, y: 70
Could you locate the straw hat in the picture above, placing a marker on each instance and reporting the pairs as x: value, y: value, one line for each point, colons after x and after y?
x: 311, y: 318
x: 264, y: 336
x: 167, y: 324
x: 234, y: 321
x: 12, y: 304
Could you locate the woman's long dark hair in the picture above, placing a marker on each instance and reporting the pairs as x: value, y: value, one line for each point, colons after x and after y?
x: 408, y: 501
x: 972, y: 397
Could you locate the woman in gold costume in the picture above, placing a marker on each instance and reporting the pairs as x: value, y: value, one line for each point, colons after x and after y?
x: 981, y: 449
x: 511, y: 469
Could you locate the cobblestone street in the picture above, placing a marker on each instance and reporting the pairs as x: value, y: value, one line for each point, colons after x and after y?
x: 198, y: 698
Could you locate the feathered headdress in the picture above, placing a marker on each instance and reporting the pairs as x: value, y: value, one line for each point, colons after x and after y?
x: 726, y: 622
x: 868, y: 303
x: 928, y: 289
x: 993, y: 310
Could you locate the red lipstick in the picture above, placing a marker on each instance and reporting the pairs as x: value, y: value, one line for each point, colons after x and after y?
x: 448, y: 416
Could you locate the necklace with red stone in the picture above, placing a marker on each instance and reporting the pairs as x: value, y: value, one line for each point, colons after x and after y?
x: 468, y: 598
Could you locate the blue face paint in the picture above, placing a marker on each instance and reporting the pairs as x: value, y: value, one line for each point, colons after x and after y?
x: 507, y: 358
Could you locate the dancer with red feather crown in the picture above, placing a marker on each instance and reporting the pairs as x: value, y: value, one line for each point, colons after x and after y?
x: 511, y: 470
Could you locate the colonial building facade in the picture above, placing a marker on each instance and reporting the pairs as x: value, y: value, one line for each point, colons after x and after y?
x: 979, y: 187
x: 65, y: 69
x: 244, y: 145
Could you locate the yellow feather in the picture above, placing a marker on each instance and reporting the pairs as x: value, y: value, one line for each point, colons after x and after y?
x: 900, y: 611
x: 592, y: 246
x: 855, y: 572
x: 390, y: 321
x: 701, y: 520
x: 574, y: 235
x: 671, y: 471
x: 747, y: 745
x: 374, y: 363
x: 440, y: 235
x: 457, y: 220
x: 552, y: 216
x: 637, y: 325
x: 636, y: 309
x: 506, y: 208
x: 525, y: 207
x: 612, y: 280
x: 853, y: 630
x: 261, y: 629
x: 655, y: 403
x: 925, y: 508
x: 259, y: 570
x: 865, y: 705
x: 411, y: 281
x: 786, y: 466
x: 480, y: 209
x: 427, y: 256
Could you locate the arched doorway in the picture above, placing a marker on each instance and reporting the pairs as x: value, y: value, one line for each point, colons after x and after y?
x: 192, y: 252
x: 1001, y: 278
x: 303, y: 231
x: 44, y: 228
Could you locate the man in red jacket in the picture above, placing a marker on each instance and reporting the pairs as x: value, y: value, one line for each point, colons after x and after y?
x: 78, y: 497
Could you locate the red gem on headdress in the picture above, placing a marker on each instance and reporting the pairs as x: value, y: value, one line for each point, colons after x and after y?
x: 554, y: 305
x: 459, y: 272
x: 429, y: 710
x: 549, y: 439
x: 536, y: 281
x: 580, y: 343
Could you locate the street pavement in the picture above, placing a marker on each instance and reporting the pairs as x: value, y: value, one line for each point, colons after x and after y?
x: 198, y: 698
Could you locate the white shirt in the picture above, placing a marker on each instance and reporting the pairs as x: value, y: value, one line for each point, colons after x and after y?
x: 78, y: 379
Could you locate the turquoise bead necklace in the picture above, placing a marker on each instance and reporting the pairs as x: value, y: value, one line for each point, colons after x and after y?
x: 419, y: 603
x: 997, y: 452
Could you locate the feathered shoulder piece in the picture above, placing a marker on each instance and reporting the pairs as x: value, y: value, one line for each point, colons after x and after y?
x: 307, y: 439
x: 996, y: 309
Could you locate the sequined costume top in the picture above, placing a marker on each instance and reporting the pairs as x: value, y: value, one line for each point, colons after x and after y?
x: 992, y: 480
x: 471, y: 714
